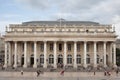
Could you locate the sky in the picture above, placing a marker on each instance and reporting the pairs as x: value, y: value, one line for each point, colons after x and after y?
x: 18, y: 11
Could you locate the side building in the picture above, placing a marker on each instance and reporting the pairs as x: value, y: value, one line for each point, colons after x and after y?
x: 2, y: 50
x: 60, y: 43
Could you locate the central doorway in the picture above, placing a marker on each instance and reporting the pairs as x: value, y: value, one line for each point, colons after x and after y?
x: 32, y: 60
x: 22, y: 60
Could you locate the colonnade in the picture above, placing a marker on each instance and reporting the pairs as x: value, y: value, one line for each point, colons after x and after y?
x: 8, y: 50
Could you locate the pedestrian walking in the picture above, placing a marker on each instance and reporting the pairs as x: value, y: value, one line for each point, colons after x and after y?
x: 105, y: 73
x: 117, y: 71
x: 62, y: 72
x: 94, y: 72
x: 38, y: 73
x: 21, y: 72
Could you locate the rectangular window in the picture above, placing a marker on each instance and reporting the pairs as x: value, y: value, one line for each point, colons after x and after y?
x: 23, y: 47
x: 78, y: 47
x: 41, y: 47
x: 69, y: 47
x: 32, y: 47
x: 51, y: 47
x: 60, y: 47
x: 88, y: 47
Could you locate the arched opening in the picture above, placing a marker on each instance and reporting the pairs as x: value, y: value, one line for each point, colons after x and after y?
x: 41, y: 59
x: 22, y: 59
x: 69, y: 59
x: 60, y: 59
x: 32, y: 60
x: 78, y: 59
x: 51, y: 59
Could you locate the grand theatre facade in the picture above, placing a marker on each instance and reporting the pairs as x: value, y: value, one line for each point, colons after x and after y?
x: 60, y: 43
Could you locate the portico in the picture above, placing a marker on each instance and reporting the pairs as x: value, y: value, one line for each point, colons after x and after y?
x: 67, y: 61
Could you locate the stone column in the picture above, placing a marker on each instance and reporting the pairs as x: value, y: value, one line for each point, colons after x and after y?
x: 75, y: 54
x: 95, y: 54
x: 114, y: 55
x: 104, y: 46
x: 45, y: 54
x: 110, y: 55
x: 5, y: 63
x: 35, y: 55
x: 10, y: 61
x: 55, y: 55
x: 65, y: 56
x: 15, y: 54
x: 25, y: 55
x: 85, y: 53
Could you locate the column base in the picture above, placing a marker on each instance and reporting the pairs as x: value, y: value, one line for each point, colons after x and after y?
x: 85, y: 65
x: 95, y: 65
x: 75, y: 66
x: 34, y: 66
x: 5, y: 66
x: 25, y: 66
x: 105, y: 66
x: 15, y: 66
x: 55, y: 66
x: 115, y: 66
x: 44, y: 66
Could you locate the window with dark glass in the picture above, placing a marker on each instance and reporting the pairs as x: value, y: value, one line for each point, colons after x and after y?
x: 88, y: 47
x: 51, y: 59
x: 97, y: 59
x: 60, y: 47
x: 32, y: 47
x: 51, y: 47
x: 69, y: 59
x: 41, y: 59
x: 78, y: 59
x: 41, y: 47
x: 78, y: 47
x: 69, y: 47
x: 23, y: 47
x: 88, y: 59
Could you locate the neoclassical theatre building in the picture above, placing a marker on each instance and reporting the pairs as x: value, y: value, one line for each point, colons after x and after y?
x: 53, y: 43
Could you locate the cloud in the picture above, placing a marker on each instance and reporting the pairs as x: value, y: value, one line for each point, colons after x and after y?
x: 95, y: 10
x: 35, y: 4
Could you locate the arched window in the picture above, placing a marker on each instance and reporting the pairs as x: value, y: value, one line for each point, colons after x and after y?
x: 97, y: 59
x: 60, y: 58
x: 88, y: 59
x: 69, y: 59
x: 41, y: 59
x: 51, y: 59
x: 78, y: 59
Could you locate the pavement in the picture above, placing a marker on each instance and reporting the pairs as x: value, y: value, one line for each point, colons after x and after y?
x: 57, y: 76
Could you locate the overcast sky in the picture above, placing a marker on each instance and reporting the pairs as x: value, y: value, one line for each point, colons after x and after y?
x: 17, y: 11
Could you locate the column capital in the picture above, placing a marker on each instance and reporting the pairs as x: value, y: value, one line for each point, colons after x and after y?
x: 105, y: 41
x: 15, y: 41
x: 35, y: 41
x: 75, y: 41
x: 65, y: 41
x: 55, y: 41
x: 85, y: 41
x: 95, y: 41
x: 45, y: 41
